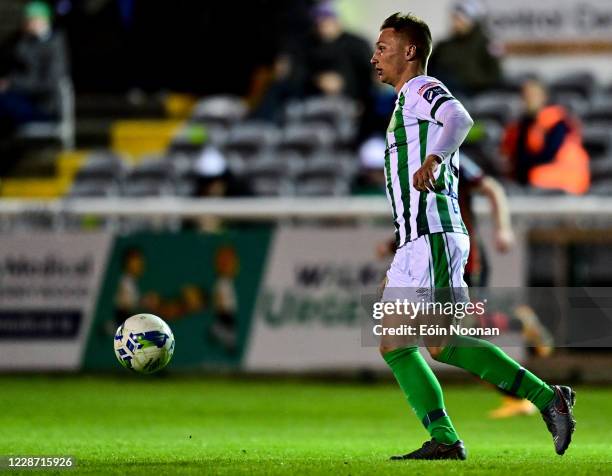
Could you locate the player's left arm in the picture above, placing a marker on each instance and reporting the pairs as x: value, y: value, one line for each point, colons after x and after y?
x: 456, y: 123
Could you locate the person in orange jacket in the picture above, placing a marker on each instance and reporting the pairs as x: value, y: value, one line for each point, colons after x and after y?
x: 544, y: 147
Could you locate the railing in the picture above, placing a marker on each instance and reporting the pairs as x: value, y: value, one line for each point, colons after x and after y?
x: 541, y: 208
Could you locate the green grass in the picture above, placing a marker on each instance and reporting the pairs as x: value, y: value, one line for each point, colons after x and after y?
x: 220, y: 426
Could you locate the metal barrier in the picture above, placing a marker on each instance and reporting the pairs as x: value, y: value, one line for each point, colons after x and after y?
x: 540, y: 208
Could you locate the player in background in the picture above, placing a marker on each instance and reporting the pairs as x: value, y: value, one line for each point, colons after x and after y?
x: 521, y: 317
x: 422, y: 165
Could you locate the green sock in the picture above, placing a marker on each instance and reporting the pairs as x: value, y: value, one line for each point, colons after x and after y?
x: 492, y: 364
x: 422, y: 391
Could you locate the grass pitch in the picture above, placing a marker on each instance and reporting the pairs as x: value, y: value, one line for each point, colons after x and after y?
x: 220, y: 426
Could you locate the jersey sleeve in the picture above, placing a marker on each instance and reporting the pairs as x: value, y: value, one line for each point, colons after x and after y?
x: 426, y: 98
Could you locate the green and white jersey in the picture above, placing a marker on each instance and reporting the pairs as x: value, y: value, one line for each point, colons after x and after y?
x: 413, y: 132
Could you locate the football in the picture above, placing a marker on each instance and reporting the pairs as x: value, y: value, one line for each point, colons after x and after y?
x: 144, y: 343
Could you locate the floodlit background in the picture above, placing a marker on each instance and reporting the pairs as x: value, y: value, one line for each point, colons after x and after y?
x: 219, y: 164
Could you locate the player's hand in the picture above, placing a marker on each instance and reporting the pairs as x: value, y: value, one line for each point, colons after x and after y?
x: 504, y: 240
x: 384, y: 249
x: 330, y: 82
x: 424, y: 179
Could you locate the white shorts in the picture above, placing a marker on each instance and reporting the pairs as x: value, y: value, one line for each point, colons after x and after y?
x: 431, y: 261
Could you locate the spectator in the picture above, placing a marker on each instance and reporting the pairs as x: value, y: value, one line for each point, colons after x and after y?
x: 329, y: 61
x: 272, y: 87
x: 468, y: 61
x: 544, y: 147
x: 37, y: 62
x: 338, y: 62
x: 214, y: 178
x: 371, y: 178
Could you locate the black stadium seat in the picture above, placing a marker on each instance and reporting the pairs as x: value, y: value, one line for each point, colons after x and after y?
x: 307, y: 138
x: 153, y: 176
x: 498, y: 107
x: 101, y: 175
x: 597, y: 140
x: 582, y: 83
x: 600, y: 112
x: 338, y: 112
x: 223, y: 110
x: 249, y: 139
x: 269, y: 180
x: 574, y: 102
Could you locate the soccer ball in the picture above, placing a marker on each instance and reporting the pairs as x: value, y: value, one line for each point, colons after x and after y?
x: 144, y: 343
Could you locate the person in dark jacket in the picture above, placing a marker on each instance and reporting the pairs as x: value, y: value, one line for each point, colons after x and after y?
x: 468, y: 62
x: 338, y: 62
x: 34, y: 65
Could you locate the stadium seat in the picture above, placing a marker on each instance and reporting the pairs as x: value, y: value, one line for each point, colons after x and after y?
x: 249, y: 139
x: 148, y: 188
x: 582, y: 83
x: 100, y: 176
x: 338, y: 112
x: 156, y: 176
x: 185, y: 186
x: 307, y: 138
x: 574, y: 102
x: 268, y: 179
x: 321, y: 177
x: 600, y: 112
x: 340, y: 161
x: 180, y: 163
x: 597, y: 140
x: 153, y: 176
x: 94, y: 188
x: 103, y: 163
x: 601, y: 170
x: 601, y: 187
x: 62, y: 128
x: 498, y: 107
x: 223, y: 110
x: 154, y: 166
x: 241, y: 164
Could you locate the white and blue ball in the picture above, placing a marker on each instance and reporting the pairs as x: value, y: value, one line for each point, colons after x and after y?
x: 144, y: 343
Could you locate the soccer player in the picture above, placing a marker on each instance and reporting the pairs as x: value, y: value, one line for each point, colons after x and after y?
x: 519, y: 317
x: 421, y: 167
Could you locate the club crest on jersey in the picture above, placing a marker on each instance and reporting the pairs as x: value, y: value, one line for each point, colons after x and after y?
x: 431, y: 91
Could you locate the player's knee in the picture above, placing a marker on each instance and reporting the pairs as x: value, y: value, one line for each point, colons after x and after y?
x: 435, y: 352
x: 386, y: 348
